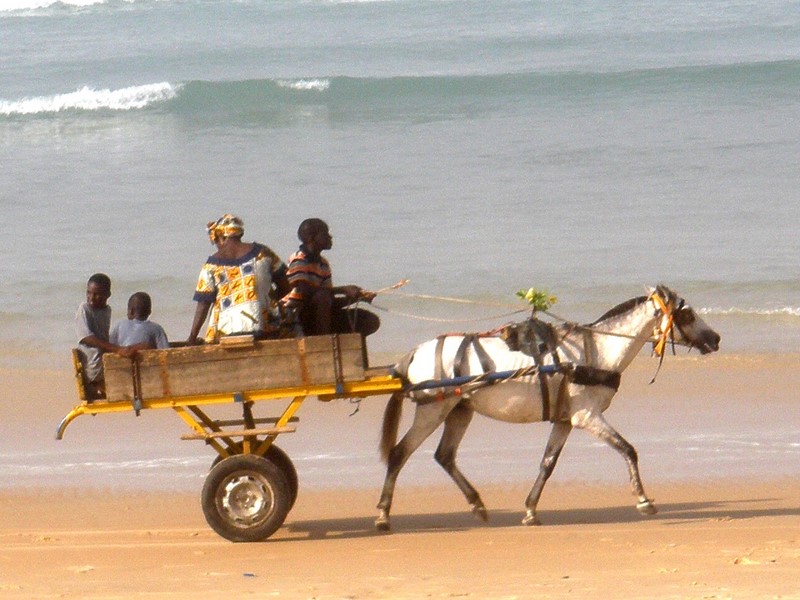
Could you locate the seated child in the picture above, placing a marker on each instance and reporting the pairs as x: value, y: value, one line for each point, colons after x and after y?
x: 92, y: 323
x: 137, y: 331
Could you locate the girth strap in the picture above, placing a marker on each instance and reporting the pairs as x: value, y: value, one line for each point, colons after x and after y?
x: 586, y: 375
x: 533, y: 328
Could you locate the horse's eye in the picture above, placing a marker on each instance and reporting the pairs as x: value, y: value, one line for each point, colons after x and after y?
x: 685, y: 316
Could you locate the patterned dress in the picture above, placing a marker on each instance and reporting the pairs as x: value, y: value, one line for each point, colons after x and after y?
x: 239, y: 290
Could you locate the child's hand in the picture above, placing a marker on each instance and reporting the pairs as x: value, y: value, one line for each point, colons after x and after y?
x: 127, y: 351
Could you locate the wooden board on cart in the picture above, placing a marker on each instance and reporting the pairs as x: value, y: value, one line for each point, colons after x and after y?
x: 252, y: 365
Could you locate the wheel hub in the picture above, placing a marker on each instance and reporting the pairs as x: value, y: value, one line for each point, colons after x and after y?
x: 246, y: 499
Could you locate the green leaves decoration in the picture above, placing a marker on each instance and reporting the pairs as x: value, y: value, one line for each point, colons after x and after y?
x: 538, y: 299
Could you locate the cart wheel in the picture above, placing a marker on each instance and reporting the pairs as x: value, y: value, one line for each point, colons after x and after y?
x: 281, y: 460
x: 245, y: 498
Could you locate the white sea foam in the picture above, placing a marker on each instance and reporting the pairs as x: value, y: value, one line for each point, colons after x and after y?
x: 91, y: 99
x: 13, y: 5
x: 790, y: 311
x: 7, y: 6
x: 319, y: 85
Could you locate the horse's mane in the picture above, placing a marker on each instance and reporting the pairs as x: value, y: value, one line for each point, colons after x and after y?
x: 620, y: 309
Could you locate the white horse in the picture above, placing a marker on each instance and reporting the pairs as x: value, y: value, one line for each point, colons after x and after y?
x: 585, y: 366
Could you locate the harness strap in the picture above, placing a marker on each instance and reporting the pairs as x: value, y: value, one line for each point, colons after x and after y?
x: 137, y: 385
x: 533, y: 350
x: 337, y: 364
x: 460, y: 362
x: 562, y: 401
x: 586, y: 375
x: 487, y: 364
x: 582, y: 375
x: 588, y: 347
x: 545, y: 396
x: 438, y: 372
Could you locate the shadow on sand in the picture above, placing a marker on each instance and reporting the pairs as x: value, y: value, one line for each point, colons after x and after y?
x: 669, y: 513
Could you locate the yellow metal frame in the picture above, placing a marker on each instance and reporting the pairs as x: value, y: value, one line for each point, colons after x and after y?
x: 190, y: 409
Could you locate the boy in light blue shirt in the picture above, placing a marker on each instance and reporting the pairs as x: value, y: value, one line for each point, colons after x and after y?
x: 137, y: 330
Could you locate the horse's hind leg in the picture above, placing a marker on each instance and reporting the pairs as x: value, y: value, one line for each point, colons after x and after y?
x: 558, y: 437
x: 427, y: 418
x: 455, y: 426
x: 600, y: 428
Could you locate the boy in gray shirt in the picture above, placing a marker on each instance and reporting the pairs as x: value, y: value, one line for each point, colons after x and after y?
x: 137, y: 331
x: 92, y: 322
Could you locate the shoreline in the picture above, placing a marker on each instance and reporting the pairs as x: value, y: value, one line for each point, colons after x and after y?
x: 718, y: 416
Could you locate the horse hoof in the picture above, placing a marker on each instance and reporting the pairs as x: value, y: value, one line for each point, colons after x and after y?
x: 480, y: 512
x: 646, y: 508
x: 382, y: 524
x: 531, y: 520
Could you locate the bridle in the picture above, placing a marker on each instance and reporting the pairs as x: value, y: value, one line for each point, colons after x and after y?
x: 665, y: 330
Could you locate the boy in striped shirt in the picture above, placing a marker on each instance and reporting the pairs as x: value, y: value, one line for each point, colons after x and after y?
x: 322, y: 308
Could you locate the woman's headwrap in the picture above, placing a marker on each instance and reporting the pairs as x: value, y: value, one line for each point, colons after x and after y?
x: 225, y: 226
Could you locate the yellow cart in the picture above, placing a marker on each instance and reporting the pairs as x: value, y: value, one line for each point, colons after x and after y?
x: 252, y: 484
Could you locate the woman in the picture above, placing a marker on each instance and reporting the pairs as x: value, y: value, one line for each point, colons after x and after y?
x: 236, y: 281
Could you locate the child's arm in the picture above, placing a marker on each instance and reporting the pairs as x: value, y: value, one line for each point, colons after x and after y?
x: 96, y: 342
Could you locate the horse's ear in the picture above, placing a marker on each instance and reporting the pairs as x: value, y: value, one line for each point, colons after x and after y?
x: 666, y: 293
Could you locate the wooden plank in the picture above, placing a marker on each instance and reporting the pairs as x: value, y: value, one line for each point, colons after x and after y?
x: 240, y: 433
x: 211, y: 369
x: 237, y: 341
x: 79, y: 379
x: 257, y: 421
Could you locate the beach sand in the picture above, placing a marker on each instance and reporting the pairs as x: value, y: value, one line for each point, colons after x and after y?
x: 714, y: 537
x: 738, y: 540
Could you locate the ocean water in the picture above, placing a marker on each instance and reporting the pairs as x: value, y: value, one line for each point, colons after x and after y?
x: 472, y: 147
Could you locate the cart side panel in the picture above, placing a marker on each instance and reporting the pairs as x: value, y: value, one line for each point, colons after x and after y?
x: 80, y: 382
x: 197, y: 370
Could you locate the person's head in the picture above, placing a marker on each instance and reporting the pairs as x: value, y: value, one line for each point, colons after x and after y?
x: 315, y: 235
x: 227, y: 226
x: 139, y: 306
x: 98, y: 290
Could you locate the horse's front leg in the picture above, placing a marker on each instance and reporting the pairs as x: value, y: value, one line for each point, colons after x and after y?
x: 455, y: 426
x: 558, y: 437
x: 599, y: 427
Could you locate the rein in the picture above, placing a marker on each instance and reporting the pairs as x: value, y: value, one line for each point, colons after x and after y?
x: 663, y: 333
x: 659, y: 339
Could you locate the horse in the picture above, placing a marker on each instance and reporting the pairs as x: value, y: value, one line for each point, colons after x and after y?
x: 570, y: 384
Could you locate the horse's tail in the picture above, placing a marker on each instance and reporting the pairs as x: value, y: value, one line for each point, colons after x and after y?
x: 391, y: 422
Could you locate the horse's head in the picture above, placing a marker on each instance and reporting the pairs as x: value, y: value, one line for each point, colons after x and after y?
x: 681, y: 322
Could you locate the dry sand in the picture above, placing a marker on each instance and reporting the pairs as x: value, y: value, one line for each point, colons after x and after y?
x: 718, y: 541
x: 720, y: 538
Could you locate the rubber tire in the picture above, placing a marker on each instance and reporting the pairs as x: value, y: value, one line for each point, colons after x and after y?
x: 281, y: 460
x: 254, y: 480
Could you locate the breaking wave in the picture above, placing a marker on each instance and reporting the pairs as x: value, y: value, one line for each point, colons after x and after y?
x: 89, y: 99
x: 441, y: 93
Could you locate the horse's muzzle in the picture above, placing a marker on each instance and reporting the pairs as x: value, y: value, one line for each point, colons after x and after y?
x: 709, y: 342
